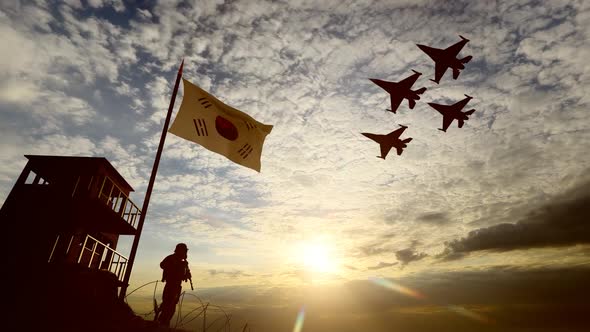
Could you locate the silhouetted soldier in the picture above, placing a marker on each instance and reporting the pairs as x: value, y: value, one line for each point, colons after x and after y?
x: 175, y: 271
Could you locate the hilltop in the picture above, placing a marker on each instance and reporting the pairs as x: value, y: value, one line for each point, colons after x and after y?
x: 70, y: 297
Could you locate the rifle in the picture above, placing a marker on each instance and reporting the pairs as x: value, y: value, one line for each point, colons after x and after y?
x: 190, y: 277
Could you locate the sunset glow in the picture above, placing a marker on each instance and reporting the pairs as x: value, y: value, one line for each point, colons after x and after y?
x: 373, y: 204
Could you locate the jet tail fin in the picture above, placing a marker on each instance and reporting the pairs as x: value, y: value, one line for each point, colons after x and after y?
x: 420, y: 91
x: 461, y: 123
x: 469, y: 112
x: 399, y: 151
x: 435, y: 81
x: 407, y: 140
x: 411, y: 103
x: 466, y: 59
x: 456, y: 73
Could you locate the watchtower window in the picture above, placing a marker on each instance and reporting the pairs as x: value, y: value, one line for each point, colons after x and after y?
x: 31, y: 177
x: 112, y: 195
x: 34, y: 178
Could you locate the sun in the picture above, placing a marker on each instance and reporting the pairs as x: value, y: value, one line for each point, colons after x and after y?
x: 317, y: 257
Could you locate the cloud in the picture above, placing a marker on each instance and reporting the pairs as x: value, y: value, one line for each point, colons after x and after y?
x: 563, y: 221
x: 229, y: 274
x: 116, y: 4
x: 15, y: 92
x: 382, y: 265
x: 408, y: 255
x: 372, y: 250
x: 514, y: 298
x: 303, y: 66
x: 436, y: 218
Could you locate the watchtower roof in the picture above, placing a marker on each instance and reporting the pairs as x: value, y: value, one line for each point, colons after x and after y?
x: 49, y: 166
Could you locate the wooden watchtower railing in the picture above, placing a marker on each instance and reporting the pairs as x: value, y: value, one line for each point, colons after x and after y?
x: 111, y: 195
x: 90, y: 253
x: 114, y: 197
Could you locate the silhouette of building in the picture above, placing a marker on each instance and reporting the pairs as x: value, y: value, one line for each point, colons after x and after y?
x: 67, y: 211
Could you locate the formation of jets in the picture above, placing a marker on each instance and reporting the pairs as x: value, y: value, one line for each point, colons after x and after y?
x: 398, y: 91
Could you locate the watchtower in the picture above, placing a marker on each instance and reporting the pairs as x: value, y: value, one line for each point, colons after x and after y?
x: 68, y: 210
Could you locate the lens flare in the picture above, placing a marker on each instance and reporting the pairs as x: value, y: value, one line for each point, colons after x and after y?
x: 412, y: 293
x: 299, y: 320
x: 468, y: 313
x: 396, y: 287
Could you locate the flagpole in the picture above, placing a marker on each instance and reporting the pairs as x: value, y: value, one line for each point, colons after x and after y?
x: 148, y: 193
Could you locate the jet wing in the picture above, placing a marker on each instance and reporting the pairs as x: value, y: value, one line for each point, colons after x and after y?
x: 396, y: 133
x: 447, y: 120
x: 407, y: 82
x: 374, y: 137
x: 439, y: 71
x: 433, y: 53
x: 395, y: 102
x: 385, y: 150
x: 454, y: 49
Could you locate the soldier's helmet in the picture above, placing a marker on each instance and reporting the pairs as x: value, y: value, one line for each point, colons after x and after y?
x: 181, y: 247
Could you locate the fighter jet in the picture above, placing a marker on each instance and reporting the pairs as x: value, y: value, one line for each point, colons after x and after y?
x: 401, y: 90
x: 390, y: 140
x: 446, y: 58
x: 453, y: 112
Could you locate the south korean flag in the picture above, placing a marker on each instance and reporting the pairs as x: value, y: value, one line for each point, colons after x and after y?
x: 220, y: 128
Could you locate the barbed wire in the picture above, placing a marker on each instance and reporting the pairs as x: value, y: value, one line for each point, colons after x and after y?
x: 183, y: 320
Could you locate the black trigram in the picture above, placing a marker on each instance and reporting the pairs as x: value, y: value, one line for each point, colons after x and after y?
x: 206, y: 103
x: 250, y: 125
x: 245, y: 150
x: 200, y: 127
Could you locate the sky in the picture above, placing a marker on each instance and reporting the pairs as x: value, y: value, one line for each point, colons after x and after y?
x: 485, y: 227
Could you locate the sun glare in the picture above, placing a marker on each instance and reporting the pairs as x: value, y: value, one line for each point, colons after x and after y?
x: 316, y: 257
